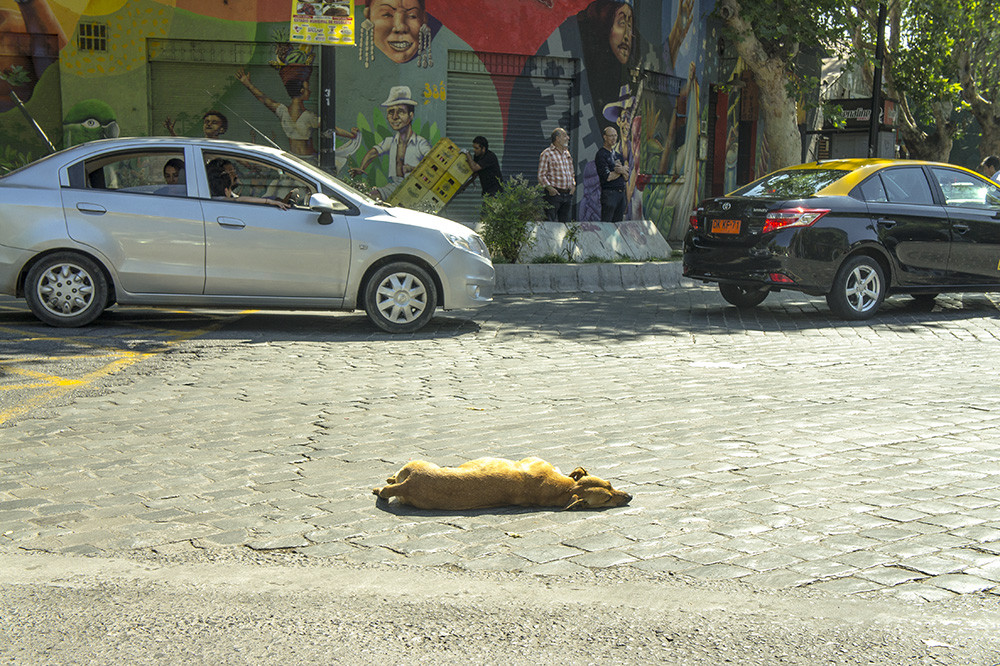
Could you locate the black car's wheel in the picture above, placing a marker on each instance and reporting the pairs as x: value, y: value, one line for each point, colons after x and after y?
x: 859, y: 289
x: 743, y: 297
x: 400, y: 297
x: 66, y: 289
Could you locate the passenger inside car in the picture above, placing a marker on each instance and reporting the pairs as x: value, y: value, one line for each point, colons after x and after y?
x: 220, y: 186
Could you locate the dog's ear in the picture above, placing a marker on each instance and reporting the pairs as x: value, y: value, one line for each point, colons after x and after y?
x: 576, y: 503
x: 578, y: 473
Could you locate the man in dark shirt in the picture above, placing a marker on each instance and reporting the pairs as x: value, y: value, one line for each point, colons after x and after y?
x: 485, y: 165
x: 613, y: 175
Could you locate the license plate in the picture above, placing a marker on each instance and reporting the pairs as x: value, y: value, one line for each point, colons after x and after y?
x: 725, y: 226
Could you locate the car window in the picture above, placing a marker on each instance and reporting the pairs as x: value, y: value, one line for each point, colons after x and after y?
x: 965, y: 190
x: 871, y: 190
x: 257, y: 179
x: 791, y: 183
x: 907, y: 185
x: 136, y: 172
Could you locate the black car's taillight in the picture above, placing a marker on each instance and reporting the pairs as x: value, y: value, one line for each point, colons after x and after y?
x: 792, y: 217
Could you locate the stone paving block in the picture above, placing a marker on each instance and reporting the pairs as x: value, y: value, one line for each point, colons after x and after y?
x: 718, y: 572
x: 920, y: 592
x: 932, y: 565
x: 602, y: 559
x: 888, y: 576
x: 779, y: 578
x: 541, y: 555
x: 962, y: 583
x: 846, y: 586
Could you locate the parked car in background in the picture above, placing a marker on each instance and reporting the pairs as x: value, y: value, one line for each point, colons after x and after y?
x: 155, y: 222
x: 853, y: 230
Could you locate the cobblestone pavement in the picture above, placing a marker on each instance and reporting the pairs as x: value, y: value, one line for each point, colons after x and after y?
x: 779, y: 447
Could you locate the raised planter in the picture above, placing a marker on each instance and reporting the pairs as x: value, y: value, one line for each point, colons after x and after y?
x: 574, y: 278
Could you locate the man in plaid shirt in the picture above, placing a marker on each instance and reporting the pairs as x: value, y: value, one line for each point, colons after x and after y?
x: 555, y: 173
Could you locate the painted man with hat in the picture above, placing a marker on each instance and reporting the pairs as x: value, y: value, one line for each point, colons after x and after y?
x: 405, y: 148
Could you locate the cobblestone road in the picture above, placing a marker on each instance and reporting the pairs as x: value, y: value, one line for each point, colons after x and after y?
x: 781, y: 447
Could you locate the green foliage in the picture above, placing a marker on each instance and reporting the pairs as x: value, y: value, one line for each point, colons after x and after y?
x: 509, y: 217
x: 15, y: 76
x: 12, y: 159
x: 550, y: 259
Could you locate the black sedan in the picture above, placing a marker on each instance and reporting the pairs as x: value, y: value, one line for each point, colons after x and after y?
x: 852, y: 230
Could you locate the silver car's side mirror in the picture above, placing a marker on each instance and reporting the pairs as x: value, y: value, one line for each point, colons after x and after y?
x: 326, y: 207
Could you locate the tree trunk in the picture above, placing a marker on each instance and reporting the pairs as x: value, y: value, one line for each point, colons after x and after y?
x: 984, y: 111
x: 781, y: 130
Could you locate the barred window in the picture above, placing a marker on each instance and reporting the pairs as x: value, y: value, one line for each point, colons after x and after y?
x: 92, y: 37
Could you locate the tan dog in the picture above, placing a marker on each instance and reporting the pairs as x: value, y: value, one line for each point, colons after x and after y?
x: 492, y: 482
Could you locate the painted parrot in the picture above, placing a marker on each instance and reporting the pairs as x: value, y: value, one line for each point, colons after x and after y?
x: 88, y: 120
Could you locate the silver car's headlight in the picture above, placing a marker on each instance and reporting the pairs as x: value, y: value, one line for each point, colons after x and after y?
x: 472, y: 243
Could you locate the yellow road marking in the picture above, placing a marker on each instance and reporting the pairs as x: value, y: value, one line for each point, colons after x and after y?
x: 66, y: 387
x: 122, y: 359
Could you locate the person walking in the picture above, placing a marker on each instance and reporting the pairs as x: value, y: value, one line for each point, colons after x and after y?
x: 485, y: 165
x: 613, y: 174
x: 555, y: 173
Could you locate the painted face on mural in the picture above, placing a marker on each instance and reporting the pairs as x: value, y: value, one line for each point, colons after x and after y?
x: 620, y: 36
x: 399, y: 116
x: 397, y: 27
x: 212, y: 126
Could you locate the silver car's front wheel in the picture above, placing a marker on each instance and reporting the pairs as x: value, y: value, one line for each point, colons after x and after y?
x: 859, y: 289
x: 400, y: 297
x: 66, y: 289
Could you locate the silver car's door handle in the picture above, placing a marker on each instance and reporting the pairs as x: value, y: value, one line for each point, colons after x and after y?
x: 231, y: 222
x: 84, y: 207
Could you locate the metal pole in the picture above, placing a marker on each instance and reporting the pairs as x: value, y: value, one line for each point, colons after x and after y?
x: 877, y: 84
x: 328, y: 109
x: 31, y: 121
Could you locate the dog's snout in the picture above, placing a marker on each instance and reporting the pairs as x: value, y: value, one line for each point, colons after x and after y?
x: 626, y: 498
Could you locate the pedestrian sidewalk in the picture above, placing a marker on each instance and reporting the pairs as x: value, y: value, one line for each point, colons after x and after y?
x: 570, y: 278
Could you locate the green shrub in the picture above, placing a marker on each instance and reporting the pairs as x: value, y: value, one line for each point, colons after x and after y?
x: 509, y: 218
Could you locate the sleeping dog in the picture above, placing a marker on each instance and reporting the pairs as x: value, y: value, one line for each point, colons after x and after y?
x: 493, y: 482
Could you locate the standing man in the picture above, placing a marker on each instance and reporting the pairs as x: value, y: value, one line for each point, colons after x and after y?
x: 485, y: 165
x: 405, y: 148
x: 613, y: 175
x: 990, y: 167
x: 555, y: 173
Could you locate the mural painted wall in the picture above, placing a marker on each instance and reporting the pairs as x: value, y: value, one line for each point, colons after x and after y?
x: 420, y: 70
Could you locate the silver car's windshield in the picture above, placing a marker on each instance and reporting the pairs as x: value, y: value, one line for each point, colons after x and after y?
x: 330, y: 180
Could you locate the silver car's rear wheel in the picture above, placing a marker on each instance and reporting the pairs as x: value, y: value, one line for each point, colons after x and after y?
x: 859, y: 289
x: 66, y: 289
x: 400, y: 297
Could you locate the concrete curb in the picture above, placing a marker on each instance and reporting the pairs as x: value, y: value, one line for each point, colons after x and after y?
x: 571, y: 278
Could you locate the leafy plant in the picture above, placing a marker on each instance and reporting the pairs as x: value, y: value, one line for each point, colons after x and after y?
x: 12, y: 159
x: 571, y: 238
x: 509, y: 217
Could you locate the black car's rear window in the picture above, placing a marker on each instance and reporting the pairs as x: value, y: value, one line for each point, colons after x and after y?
x: 791, y: 184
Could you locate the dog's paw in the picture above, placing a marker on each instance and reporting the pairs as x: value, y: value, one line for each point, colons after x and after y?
x: 376, y: 491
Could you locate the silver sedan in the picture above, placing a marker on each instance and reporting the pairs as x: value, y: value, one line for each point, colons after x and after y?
x: 206, y: 223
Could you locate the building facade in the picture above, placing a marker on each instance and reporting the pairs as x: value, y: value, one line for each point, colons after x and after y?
x: 419, y: 70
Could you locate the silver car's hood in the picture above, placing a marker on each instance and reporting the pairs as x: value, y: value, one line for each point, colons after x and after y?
x: 426, y: 220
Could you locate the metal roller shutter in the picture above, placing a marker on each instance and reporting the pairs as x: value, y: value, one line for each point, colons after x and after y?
x: 190, y: 77
x: 543, y: 88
